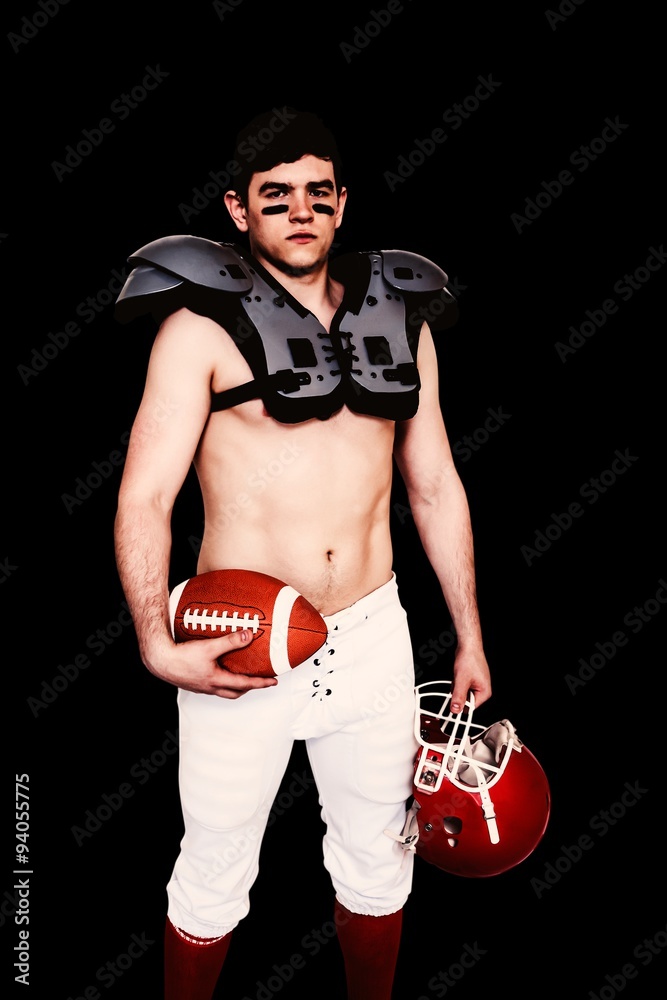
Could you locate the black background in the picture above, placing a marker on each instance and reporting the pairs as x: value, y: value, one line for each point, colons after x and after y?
x: 560, y: 923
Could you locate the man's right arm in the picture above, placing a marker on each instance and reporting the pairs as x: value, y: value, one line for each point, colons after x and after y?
x: 165, y: 434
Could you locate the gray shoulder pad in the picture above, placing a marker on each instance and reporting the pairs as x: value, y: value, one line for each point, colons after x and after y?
x: 199, y: 261
x: 147, y: 281
x: 409, y: 272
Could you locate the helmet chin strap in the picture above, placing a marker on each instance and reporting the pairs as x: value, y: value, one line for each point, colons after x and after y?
x: 488, y: 810
x: 482, y: 757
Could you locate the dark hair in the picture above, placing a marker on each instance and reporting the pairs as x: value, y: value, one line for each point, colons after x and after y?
x: 282, y: 135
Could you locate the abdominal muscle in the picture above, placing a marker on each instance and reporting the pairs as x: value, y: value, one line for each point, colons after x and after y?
x: 307, y: 503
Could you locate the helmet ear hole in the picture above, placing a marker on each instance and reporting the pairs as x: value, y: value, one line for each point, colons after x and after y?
x: 452, y: 825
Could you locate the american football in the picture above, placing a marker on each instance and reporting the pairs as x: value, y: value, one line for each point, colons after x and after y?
x: 286, y: 628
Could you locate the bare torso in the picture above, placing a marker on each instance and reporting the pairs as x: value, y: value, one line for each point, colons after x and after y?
x: 307, y: 503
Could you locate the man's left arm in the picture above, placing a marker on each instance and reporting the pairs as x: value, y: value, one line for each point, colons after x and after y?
x: 442, y: 516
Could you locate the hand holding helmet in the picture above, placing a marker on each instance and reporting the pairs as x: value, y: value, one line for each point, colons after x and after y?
x: 481, y: 800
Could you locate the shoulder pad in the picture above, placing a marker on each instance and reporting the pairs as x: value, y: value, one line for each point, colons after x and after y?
x: 410, y: 272
x: 201, y: 262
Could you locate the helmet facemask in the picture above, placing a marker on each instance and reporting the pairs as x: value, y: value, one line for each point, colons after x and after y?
x: 469, y: 756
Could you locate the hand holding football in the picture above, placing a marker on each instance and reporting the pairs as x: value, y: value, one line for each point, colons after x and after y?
x: 286, y: 628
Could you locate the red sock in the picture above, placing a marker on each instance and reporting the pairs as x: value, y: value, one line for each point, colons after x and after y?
x: 191, y: 965
x: 370, y: 950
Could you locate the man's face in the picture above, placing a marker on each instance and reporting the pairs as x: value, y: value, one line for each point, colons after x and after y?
x: 291, y: 215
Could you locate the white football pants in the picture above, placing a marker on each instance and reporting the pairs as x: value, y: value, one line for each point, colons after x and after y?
x: 353, y: 703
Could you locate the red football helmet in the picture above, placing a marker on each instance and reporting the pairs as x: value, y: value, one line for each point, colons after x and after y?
x: 481, y: 800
